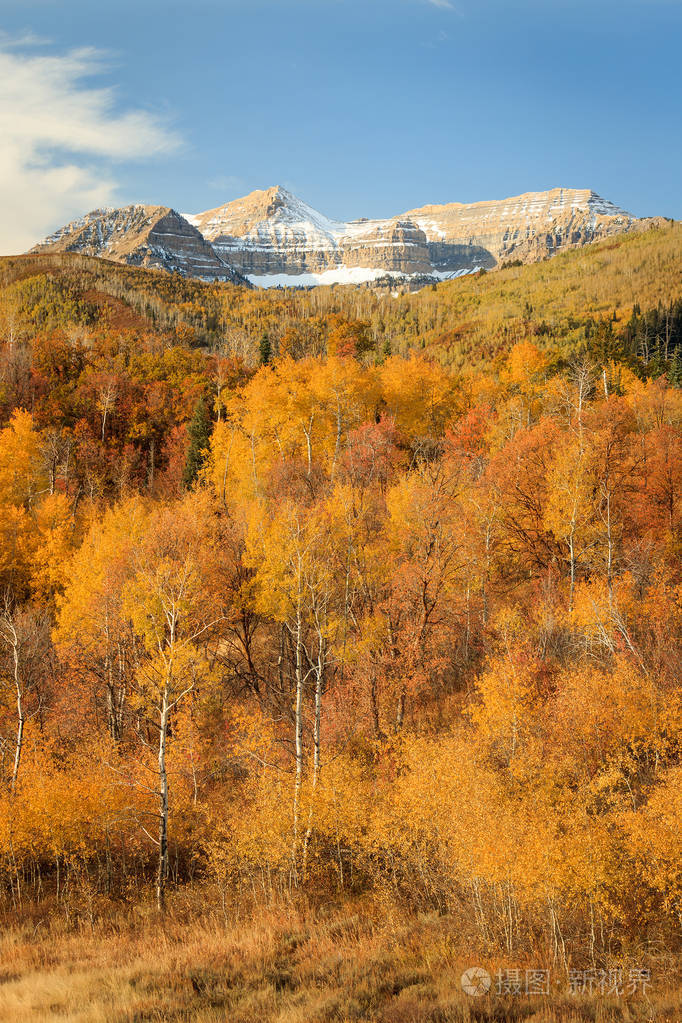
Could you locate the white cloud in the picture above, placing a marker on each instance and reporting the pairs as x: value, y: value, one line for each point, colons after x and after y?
x: 445, y: 4
x: 60, y: 139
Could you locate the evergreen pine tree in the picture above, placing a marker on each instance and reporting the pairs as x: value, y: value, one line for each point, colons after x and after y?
x: 675, y: 371
x: 199, y: 431
x: 265, y: 350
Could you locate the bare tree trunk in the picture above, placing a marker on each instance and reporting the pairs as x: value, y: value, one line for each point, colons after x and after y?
x: 11, y: 638
x: 571, y: 548
x: 467, y: 634
x: 298, y: 735
x: 109, y: 684
x: 309, y: 445
x: 486, y: 576
x: 337, y: 446
x: 150, y: 468
x: 162, y: 874
x: 374, y: 704
x: 319, y: 685
x: 609, y: 536
x: 20, y: 712
x: 400, y: 711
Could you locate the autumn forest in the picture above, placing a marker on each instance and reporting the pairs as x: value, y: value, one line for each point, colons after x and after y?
x: 344, y: 619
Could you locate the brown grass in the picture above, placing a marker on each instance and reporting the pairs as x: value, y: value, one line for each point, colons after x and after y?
x: 115, y: 313
x: 361, y: 961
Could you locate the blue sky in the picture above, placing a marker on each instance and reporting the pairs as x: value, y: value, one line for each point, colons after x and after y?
x: 362, y: 108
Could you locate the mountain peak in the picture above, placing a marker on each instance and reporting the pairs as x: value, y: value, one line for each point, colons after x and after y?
x: 280, y: 192
x: 153, y: 236
x: 274, y: 237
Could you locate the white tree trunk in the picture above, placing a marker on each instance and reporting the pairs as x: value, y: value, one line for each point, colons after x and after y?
x: 162, y: 872
x: 298, y: 736
x: 319, y: 685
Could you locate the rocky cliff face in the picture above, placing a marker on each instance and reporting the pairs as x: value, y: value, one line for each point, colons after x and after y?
x: 272, y: 237
x: 272, y: 234
x: 151, y: 236
x: 526, y: 227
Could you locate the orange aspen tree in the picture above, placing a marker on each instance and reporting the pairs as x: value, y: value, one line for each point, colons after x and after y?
x: 171, y: 601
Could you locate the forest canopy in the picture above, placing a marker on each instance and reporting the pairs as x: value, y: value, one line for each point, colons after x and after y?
x: 341, y: 592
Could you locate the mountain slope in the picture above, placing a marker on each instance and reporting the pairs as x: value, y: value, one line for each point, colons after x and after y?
x: 273, y: 232
x: 556, y: 303
x: 272, y: 237
x: 150, y: 236
x: 269, y: 235
x: 527, y: 227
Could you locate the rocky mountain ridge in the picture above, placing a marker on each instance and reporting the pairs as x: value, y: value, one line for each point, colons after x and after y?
x: 150, y: 236
x: 272, y: 237
x: 274, y: 232
x: 526, y: 227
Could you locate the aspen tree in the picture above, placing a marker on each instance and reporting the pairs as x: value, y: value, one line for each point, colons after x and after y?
x: 174, y: 610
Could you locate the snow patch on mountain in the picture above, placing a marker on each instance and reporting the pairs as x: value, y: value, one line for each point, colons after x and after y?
x: 349, y: 275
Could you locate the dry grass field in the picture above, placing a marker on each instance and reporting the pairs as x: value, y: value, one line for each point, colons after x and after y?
x: 285, y: 963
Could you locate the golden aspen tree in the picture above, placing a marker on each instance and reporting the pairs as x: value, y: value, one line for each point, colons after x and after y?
x: 293, y: 584
x: 569, y: 512
x: 25, y: 652
x: 171, y: 601
x: 418, y: 395
x: 92, y: 629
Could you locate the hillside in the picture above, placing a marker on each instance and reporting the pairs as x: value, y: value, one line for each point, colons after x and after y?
x: 337, y: 656
x: 556, y: 301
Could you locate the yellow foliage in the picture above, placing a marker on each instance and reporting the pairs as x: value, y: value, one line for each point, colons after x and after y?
x: 54, y: 522
x: 22, y: 474
x: 418, y: 394
x: 655, y: 838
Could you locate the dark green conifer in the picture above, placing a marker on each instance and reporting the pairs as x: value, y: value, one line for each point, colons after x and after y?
x: 199, y: 431
x: 675, y: 371
x: 265, y: 350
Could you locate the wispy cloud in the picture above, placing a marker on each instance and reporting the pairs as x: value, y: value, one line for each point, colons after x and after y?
x: 445, y: 4
x: 61, y: 140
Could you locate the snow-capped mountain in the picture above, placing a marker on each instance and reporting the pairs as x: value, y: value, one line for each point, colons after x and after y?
x: 270, y: 233
x: 527, y: 227
x: 272, y: 237
x: 152, y: 236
